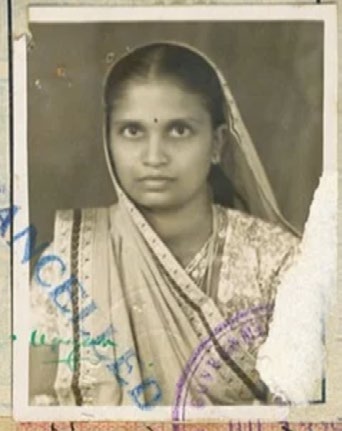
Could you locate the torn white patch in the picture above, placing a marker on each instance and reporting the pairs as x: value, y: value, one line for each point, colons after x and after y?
x: 291, y: 360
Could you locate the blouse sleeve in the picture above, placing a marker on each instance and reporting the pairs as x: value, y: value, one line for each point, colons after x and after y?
x: 278, y: 250
x: 256, y: 255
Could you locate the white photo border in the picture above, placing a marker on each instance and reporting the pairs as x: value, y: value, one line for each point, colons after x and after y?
x: 88, y: 14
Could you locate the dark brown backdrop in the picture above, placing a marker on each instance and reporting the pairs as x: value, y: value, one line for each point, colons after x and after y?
x: 275, y: 71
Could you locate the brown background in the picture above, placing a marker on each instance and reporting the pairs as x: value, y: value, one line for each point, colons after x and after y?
x: 275, y: 71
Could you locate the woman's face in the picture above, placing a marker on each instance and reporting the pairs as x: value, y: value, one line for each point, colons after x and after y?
x: 162, y: 142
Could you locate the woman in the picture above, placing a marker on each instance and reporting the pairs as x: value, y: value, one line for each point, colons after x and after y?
x: 195, y: 239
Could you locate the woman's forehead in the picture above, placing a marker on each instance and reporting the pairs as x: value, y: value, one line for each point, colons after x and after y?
x: 158, y: 98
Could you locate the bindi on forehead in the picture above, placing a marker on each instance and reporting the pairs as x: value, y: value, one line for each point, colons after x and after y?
x: 155, y: 120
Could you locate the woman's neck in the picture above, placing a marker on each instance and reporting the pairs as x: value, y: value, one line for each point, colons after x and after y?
x: 184, y: 229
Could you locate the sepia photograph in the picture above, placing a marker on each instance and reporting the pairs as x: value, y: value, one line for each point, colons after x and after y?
x: 176, y: 175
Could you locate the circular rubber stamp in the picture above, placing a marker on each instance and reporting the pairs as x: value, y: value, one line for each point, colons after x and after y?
x: 221, y: 370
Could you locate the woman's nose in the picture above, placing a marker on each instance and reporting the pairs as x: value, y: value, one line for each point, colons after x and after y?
x: 154, y: 154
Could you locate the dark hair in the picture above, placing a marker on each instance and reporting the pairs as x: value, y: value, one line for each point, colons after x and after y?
x: 189, y: 69
x: 160, y: 60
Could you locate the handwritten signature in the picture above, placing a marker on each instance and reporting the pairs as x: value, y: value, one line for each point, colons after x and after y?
x: 40, y: 339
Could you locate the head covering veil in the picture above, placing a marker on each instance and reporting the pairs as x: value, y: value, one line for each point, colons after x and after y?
x: 239, y: 160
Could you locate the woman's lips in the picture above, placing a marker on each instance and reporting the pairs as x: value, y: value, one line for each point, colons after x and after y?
x: 156, y: 182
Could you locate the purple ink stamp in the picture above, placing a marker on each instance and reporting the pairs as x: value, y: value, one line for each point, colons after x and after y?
x: 221, y: 370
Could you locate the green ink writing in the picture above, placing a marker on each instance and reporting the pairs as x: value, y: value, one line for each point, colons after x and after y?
x: 39, y: 339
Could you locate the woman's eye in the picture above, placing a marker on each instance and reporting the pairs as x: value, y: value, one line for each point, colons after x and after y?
x: 180, y: 131
x: 132, y: 131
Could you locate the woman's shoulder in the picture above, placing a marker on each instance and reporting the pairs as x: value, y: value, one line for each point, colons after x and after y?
x: 82, y: 222
x: 261, y: 244
x: 260, y: 233
x: 69, y: 214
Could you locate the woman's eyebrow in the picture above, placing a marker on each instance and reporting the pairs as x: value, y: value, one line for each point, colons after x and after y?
x: 126, y: 121
x: 185, y: 120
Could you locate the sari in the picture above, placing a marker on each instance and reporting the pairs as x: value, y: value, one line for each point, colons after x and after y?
x: 147, y: 331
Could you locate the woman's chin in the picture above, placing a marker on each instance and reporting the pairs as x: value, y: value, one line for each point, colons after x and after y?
x: 156, y: 202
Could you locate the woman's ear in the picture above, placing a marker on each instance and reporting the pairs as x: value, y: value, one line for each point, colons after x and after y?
x: 220, y: 138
